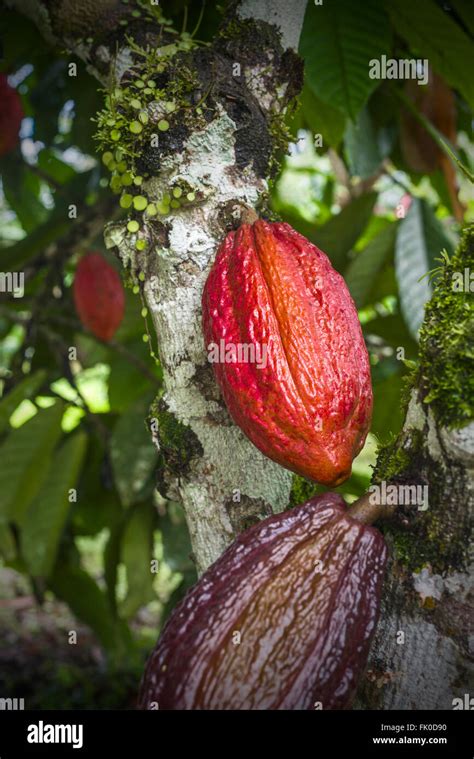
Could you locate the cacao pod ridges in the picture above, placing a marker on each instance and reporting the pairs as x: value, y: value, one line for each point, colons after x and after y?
x: 301, y: 589
x: 98, y: 296
x: 309, y: 407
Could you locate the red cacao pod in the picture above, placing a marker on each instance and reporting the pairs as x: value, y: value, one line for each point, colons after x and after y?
x: 11, y: 114
x: 98, y: 296
x: 308, y: 405
x: 302, y: 591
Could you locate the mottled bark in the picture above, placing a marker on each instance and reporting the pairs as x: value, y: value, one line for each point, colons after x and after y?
x: 422, y: 654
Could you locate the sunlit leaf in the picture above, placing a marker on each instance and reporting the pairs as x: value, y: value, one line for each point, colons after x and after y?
x: 25, y: 456
x: 337, y: 42
x: 133, y: 454
x: 25, y: 389
x: 420, y: 240
x: 48, y: 512
x: 136, y: 555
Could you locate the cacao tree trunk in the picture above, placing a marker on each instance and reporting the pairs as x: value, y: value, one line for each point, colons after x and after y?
x: 223, y: 482
x: 422, y: 655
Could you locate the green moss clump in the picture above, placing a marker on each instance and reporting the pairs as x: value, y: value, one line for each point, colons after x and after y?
x: 242, y: 33
x: 410, y: 552
x: 447, y: 339
x: 302, y: 490
x: 281, y: 138
x: 428, y: 541
x: 395, y: 458
x: 147, y: 116
x: 178, y: 443
x: 258, y: 44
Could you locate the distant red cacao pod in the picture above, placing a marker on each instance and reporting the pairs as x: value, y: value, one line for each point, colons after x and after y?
x: 11, y: 114
x: 308, y: 405
x: 99, y: 296
x: 301, y: 591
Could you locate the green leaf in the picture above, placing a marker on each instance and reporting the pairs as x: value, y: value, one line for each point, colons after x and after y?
x: 133, y: 454
x: 88, y: 99
x: 387, y: 415
x: 176, y: 543
x: 111, y: 562
x: 22, y: 192
x: 7, y: 543
x: 136, y: 554
x: 25, y: 389
x: 127, y: 384
x: 98, y: 505
x: 339, y: 235
x: 360, y: 140
x: 322, y: 118
x: 54, y: 227
x: 357, y: 484
x: 384, y: 285
x: 25, y: 456
x: 420, y: 240
x: 90, y: 604
x: 15, y: 256
x: 21, y: 39
x: 433, y: 34
x: 54, y: 167
x: 465, y: 10
x: 367, y: 264
x: 48, y: 512
x: 393, y: 330
x: 338, y: 40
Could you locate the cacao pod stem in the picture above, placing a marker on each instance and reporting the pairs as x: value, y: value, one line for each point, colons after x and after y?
x: 248, y: 215
x: 367, y: 510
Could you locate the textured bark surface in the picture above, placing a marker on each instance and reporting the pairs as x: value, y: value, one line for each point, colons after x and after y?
x: 433, y: 608
x: 422, y: 656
